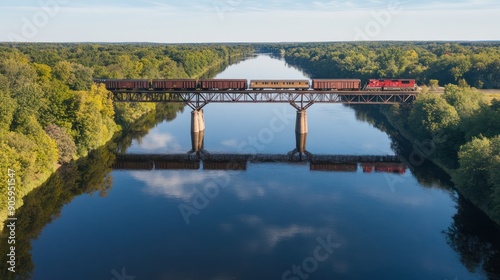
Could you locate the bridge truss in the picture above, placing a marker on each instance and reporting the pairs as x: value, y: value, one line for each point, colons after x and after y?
x: 299, y: 99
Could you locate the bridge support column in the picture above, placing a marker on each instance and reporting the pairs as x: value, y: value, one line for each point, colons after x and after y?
x: 301, y: 122
x: 301, y: 130
x: 197, y: 141
x: 300, y: 142
x: 197, y: 121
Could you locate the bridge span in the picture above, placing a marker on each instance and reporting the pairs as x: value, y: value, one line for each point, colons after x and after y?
x: 198, y: 99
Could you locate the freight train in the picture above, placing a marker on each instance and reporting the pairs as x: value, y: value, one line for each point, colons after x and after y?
x: 242, y: 84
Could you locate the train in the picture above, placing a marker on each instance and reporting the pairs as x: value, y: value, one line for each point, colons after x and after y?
x: 243, y: 84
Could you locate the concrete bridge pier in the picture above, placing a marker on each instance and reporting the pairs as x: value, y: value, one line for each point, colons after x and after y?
x: 197, y: 121
x: 197, y: 132
x: 301, y: 130
x: 301, y: 122
x: 197, y: 142
x: 300, y: 140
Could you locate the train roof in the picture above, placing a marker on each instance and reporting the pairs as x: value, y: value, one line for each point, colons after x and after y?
x: 279, y: 80
x: 223, y: 79
x: 350, y: 80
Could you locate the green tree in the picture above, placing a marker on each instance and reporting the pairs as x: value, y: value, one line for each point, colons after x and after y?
x: 466, y: 100
x: 473, y: 174
x: 434, y: 84
x: 65, y: 144
x: 431, y: 114
x: 7, y: 108
x: 45, y: 148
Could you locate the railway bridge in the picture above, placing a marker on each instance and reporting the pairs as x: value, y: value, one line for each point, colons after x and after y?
x: 301, y: 100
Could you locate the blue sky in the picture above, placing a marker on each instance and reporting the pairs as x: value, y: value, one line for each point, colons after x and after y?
x: 247, y: 21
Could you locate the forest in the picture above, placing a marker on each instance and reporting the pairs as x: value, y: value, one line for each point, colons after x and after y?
x: 52, y: 113
x: 458, y: 129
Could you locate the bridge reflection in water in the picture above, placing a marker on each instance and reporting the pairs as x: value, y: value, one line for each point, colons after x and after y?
x: 198, y: 157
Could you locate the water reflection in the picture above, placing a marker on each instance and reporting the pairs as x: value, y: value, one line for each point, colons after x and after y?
x: 471, y: 236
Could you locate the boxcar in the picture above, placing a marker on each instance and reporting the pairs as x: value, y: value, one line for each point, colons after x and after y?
x: 279, y: 84
x: 336, y: 84
x: 391, y: 84
x: 126, y: 84
x: 223, y: 84
x: 177, y: 84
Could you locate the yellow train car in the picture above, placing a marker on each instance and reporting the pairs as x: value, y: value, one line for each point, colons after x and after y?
x: 280, y: 84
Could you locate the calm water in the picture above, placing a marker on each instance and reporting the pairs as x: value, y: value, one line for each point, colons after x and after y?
x: 272, y: 221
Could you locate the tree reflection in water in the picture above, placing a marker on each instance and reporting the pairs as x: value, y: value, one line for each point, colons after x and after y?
x: 475, y: 238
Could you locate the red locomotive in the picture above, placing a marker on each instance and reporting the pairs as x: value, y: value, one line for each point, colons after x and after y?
x: 391, y: 84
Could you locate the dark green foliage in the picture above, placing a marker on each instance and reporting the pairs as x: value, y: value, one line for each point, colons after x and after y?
x: 473, y: 174
x: 431, y: 114
x: 485, y: 121
x: 478, y: 175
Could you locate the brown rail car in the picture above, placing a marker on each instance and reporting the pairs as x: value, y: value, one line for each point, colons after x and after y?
x: 279, y: 84
x: 336, y: 84
x: 126, y: 84
x: 223, y: 84
x: 175, y: 84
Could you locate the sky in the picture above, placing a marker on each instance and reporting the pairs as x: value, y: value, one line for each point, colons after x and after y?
x: 206, y: 21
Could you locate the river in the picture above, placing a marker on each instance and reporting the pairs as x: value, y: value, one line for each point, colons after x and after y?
x: 272, y: 220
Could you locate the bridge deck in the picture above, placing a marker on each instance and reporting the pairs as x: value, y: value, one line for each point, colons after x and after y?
x: 266, y: 96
